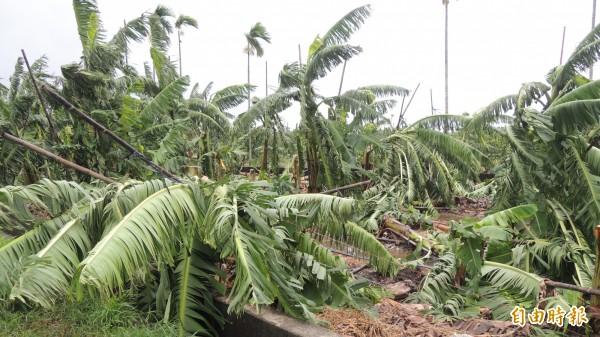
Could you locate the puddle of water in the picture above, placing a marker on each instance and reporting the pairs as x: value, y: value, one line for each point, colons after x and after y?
x: 445, y: 217
x: 400, y: 251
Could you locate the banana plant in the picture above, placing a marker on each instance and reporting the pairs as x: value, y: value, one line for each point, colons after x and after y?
x: 145, y: 235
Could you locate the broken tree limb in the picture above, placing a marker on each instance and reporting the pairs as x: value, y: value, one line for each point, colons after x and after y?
x: 71, y: 108
x: 555, y: 284
x: 54, y: 157
x: 347, y: 187
x: 53, y: 133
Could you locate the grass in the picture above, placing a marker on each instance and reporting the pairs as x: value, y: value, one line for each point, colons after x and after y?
x: 88, y: 318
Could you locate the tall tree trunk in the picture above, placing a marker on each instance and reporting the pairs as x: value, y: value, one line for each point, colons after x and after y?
x: 274, y: 156
x: 265, y: 154
x: 249, y: 137
x: 446, y: 59
x: 312, y: 154
x: 593, y: 25
x: 179, y: 41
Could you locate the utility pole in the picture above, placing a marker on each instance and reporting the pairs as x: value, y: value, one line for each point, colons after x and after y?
x: 593, y: 25
x: 445, y: 2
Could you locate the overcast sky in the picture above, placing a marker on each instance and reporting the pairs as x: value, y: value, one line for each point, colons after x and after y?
x: 494, y: 46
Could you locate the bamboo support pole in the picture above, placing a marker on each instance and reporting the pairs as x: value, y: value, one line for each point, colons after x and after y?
x: 347, y: 187
x: 41, y: 98
x: 71, y: 108
x: 54, y: 157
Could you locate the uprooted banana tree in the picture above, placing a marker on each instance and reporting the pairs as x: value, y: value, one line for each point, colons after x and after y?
x: 163, y: 242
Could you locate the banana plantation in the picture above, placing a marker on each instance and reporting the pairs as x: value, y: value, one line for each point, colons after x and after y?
x: 117, y: 183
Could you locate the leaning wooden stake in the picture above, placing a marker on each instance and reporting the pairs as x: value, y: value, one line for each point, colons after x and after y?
x: 41, y: 98
x: 54, y: 157
x: 109, y: 133
x: 347, y: 187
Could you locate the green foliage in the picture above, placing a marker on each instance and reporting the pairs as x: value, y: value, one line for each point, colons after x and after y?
x: 113, y: 317
x: 127, y: 234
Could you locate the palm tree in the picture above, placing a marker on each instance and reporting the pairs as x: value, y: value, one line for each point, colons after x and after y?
x: 323, y: 145
x: 181, y: 21
x: 257, y: 32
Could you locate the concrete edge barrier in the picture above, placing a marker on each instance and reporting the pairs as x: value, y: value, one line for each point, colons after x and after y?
x: 268, y: 323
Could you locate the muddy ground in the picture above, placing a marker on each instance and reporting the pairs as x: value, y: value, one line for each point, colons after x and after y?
x: 395, y: 318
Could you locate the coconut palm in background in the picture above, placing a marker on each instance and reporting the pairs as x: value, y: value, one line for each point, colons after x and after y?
x: 257, y: 33
x: 183, y: 20
x: 445, y: 3
x: 549, y: 177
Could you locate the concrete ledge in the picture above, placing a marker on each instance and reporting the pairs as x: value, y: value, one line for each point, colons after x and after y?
x: 268, y: 323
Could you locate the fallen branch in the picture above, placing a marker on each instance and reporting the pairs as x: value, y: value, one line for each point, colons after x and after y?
x: 71, y: 108
x: 347, y: 187
x: 54, y: 157
x: 569, y: 286
x: 359, y: 269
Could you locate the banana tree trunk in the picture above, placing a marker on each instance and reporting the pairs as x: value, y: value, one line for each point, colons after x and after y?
x: 595, y: 300
x: 312, y: 157
x: 265, y: 154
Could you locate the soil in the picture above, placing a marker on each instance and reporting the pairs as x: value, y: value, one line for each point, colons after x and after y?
x: 394, y: 318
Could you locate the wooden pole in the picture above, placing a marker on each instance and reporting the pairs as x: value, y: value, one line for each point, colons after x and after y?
x: 589, y: 291
x: 431, y: 99
x: 41, y: 98
x: 54, y: 157
x: 342, y: 79
x: 562, y: 46
x: 71, y: 108
x: 179, y: 43
x: 347, y: 187
x: 411, y: 98
x: 593, y: 25
x: 126, y: 61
